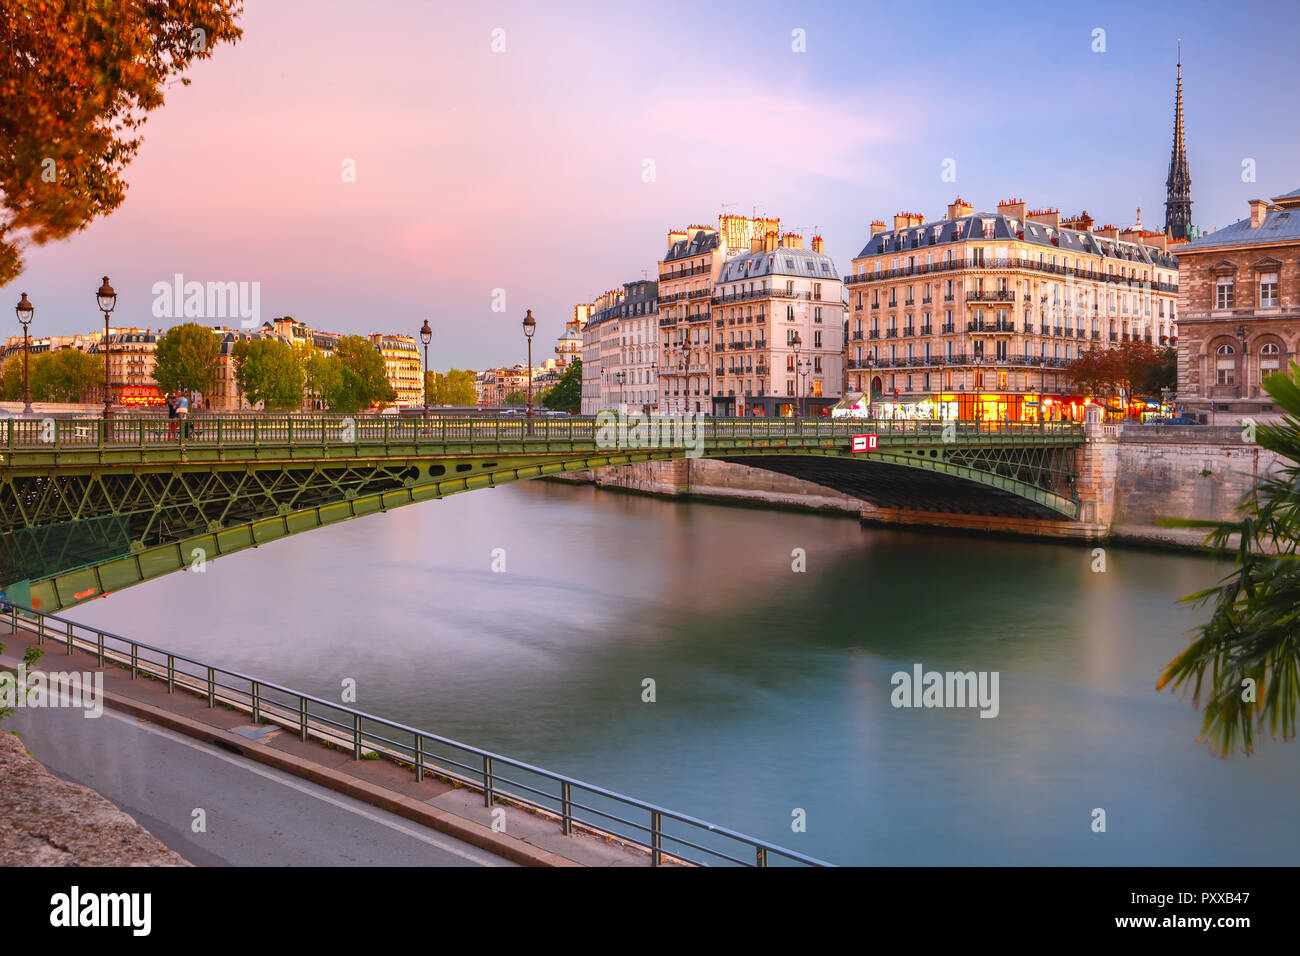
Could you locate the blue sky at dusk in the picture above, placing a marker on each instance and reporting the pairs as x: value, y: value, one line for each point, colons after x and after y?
x: 522, y: 170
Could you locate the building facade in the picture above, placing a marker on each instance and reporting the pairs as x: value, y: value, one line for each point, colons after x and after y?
x: 403, y: 366
x: 687, y: 274
x: 778, y: 336
x: 976, y: 315
x: 131, y: 363
x: 1239, y: 295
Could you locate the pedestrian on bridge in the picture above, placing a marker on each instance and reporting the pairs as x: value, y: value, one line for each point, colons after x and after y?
x: 171, y: 416
x: 183, y: 413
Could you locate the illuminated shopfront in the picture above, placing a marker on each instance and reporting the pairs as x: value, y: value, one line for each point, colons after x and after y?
x: 977, y: 406
x: 139, y: 396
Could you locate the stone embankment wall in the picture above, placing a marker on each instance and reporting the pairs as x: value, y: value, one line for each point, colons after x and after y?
x: 1181, y: 471
x: 1129, y: 478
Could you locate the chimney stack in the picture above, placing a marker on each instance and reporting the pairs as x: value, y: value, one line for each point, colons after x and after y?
x: 769, y: 242
x: 1015, y: 208
x: 792, y: 240
x: 958, y: 208
x: 1258, y: 210
x: 877, y: 227
x: 1046, y: 217
x: 818, y: 245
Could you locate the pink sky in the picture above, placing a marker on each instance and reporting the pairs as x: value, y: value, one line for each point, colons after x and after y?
x: 523, y: 170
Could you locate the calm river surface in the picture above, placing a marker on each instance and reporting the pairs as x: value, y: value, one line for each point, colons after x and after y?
x: 773, y: 687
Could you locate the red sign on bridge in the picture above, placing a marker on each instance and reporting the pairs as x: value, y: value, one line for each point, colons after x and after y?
x: 864, y: 442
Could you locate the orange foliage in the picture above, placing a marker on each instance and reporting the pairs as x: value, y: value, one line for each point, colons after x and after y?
x: 77, y: 81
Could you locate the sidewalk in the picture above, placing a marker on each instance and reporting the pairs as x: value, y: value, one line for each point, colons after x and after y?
x: 532, y: 839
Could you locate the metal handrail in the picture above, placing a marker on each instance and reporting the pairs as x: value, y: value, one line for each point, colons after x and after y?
x: 126, y: 433
x: 296, y: 715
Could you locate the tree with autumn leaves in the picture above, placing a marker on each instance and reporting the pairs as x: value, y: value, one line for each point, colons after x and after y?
x: 1125, y: 371
x: 78, y: 78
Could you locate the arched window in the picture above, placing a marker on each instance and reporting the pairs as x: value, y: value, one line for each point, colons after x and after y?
x: 1270, y: 359
x: 1226, y: 365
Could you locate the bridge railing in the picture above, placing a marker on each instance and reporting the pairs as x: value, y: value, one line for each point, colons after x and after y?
x: 148, y: 432
x: 665, y: 835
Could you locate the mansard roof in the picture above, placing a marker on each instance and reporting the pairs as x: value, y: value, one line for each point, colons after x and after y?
x: 781, y: 261
x: 1005, y: 228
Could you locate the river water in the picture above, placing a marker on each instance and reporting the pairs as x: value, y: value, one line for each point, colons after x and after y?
x: 772, y: 687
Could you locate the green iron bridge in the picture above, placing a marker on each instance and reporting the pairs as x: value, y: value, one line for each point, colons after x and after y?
x: 93, y: 506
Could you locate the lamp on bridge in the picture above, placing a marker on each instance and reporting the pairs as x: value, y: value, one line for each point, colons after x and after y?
x: 25, y: 310
x: 530, y: 326
x: 426, y: 336
x: 107, y: 300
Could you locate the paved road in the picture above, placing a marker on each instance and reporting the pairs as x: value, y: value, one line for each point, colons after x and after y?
x: 256, y: 815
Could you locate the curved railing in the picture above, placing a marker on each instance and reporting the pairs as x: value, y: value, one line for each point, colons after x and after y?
x: 666, y: 835
x: 46, y: 434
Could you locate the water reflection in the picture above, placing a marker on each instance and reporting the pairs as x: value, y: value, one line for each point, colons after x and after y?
x: 772, y: 686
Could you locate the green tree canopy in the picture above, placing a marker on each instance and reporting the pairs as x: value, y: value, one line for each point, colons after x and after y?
x: 351, y: 377
x: 11, y: 379
x: 1245, y: 661
x: 365, y: 382
x: 323, y: 374
x: 79, y: 80
x: 1131, y: 368
x: 454, y: 387
x: 186, y: 359
x: 66, y: 375
x: 268, y: 371
x: 566, y: 396
x: 517, y: 397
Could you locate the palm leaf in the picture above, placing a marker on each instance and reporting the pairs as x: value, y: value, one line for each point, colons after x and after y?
x: 1244, y: 663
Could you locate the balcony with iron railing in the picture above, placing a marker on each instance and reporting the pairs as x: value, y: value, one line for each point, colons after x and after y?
x: 668, y: 275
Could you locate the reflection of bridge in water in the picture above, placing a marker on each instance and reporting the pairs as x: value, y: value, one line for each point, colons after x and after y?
x: 88, y: 507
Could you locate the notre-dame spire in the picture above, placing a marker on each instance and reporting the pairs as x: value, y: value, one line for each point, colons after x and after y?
x: 1178, y: 201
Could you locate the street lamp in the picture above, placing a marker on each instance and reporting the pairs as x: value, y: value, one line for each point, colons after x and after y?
x: 797, y: 342
x: 426, y: 336
x: 107, y: 300
x: 530, y: 326
x: 25, y: 311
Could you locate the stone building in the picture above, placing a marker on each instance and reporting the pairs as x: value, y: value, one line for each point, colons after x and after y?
x: 975, y: 315
x: 687, y: 274
x: 778, y: 336
x: 403, y: 366
x: 1239, y: 311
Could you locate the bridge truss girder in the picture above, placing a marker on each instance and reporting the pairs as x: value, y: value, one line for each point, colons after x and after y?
x: 122, y: 525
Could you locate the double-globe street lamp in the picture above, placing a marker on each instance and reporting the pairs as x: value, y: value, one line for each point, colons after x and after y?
x: 530, y: 326
x: 426, y: 336
x: 107, y: 300
x: 799, y: 375
x: 25, y: 310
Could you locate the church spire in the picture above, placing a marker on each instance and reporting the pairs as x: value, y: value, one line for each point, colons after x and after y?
x: 1178, y: 201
